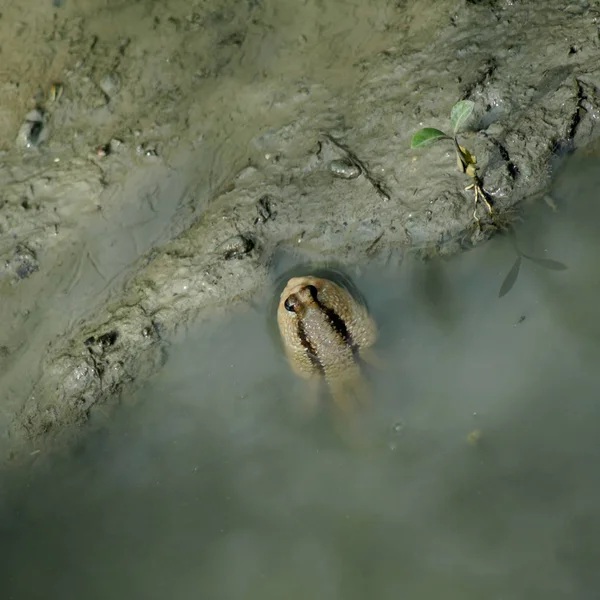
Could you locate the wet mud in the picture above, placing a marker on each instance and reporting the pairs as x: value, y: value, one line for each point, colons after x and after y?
x: 191, y: 145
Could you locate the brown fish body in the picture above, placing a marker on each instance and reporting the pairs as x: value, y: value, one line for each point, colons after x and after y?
x: 325, y: 331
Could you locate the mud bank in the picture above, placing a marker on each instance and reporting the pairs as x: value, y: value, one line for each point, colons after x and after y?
x: 241, y: 130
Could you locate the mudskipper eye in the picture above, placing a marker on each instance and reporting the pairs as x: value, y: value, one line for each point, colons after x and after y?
x: 290, y: 303
x: 312, y: 290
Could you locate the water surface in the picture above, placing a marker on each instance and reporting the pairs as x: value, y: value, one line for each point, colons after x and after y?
x: 210, y: 484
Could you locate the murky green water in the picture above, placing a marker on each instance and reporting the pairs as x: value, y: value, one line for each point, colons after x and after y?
x: 209, y: 485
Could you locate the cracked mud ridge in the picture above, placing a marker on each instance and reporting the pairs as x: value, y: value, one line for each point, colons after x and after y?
x: 156, y: 159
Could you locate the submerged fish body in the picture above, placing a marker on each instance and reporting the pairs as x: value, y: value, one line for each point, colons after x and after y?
x: 325, y: 331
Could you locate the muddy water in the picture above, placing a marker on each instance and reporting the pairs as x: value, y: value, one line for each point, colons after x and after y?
x: 211, y: 482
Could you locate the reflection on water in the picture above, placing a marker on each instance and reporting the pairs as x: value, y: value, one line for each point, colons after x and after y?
x: 210, y: 485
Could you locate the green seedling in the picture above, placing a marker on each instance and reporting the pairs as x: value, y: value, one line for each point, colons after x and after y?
x: 466, y: 162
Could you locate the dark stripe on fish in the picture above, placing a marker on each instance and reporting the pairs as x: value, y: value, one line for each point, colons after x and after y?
x: 338, y: 324
x: 336, y: 321
x: 310, y: 350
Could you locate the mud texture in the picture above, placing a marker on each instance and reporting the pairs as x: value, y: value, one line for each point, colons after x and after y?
x: 276, y: 140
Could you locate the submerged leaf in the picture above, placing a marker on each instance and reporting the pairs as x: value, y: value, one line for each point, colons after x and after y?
x: 427, y: 136
x: 547, y: 263
x: 511, y: 278
x: 461, y: 111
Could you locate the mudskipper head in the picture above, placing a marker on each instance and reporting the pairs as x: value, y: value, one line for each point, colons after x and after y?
x: 299, y: 295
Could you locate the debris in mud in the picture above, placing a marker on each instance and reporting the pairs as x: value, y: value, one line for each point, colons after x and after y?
x: 55, y: 93
x: 150, y: 331
x: 32, y: 132
x: 265, y: 210
x: 353, y: 159
x: 115, y: 145
x: 147, y: 150
x: 519, y: 320
x: 23, y: 263
x: 344, y: 169
x: 103, y: 151
x: 98, y: 344
x: 110, y: 84
x: 235, y: 247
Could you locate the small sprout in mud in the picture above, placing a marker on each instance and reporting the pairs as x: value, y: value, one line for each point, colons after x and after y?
x: 466, y: 162
x: 461, y: 111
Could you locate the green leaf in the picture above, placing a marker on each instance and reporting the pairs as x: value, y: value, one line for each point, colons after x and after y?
x: 461, y: 111
x: 427, y: 136
x: 511, y: 278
